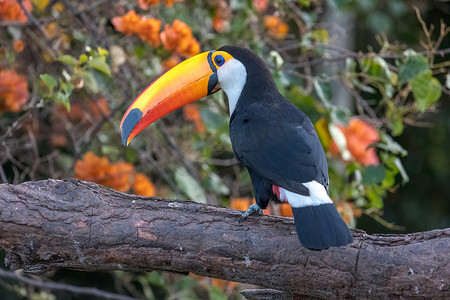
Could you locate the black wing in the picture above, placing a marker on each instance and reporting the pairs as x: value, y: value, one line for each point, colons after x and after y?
x: 280, y: 144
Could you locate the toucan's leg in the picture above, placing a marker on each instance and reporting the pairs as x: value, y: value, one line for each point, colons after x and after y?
x: 254, y: 208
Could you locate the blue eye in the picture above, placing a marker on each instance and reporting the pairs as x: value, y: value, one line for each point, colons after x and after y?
x: 219, y: 60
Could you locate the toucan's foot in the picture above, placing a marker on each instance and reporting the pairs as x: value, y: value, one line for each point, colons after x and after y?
x: 254, y: 208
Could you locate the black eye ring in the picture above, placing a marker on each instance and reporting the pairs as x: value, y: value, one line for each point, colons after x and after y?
x: 219, y: 60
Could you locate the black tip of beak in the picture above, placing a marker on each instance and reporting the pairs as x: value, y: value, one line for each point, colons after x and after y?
x: 134, y: 116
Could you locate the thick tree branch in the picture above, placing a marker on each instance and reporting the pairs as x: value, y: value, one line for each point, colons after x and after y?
x: 73, y: 224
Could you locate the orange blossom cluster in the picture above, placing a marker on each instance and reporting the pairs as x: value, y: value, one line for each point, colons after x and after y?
x: 13, y: 91
x: 146, y: 28
x: 120, y: 176
x: 276, y: 27
x: 176, y: 37
x: 144, y: 4
x: 10, y: 10
x: 359, y: 135
x: 192, y: 112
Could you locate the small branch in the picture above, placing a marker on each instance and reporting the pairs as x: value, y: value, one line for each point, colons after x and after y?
x: 62, y: 287
x: 34, y: 21
x: 386, y: 55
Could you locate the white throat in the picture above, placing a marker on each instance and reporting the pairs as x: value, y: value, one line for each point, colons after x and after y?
x: 232, y: 77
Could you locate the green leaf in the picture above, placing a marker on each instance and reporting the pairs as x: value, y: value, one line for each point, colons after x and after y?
x: 402, y: 171
x: 155, y: 279
x: 373, y: 174
x: 49, y: 81
x: 214, y: 183
x: 63, y: 99
x: 216, y: 293
x: 340, y: 114
x: 363, y: 87
x: 395, y: 118
x: 323, y: 91
x: 426, y: 90
x: 390, y: 145
x: 189, y: 186
x: 131, y: 155
x: 413, y: 65
x: 83, y: 58
x: 320, y: 35
x: 90, y: 82
x: 68, y: 60
x: 341, y: 142
x: 66, y: 87
x: 375, y: 195
x: 99, y: 64
x: 213, y: 120
x: 102, y: 51
x: 389, y: 179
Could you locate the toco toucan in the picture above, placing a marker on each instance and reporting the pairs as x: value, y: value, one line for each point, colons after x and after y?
x: 274, y: 139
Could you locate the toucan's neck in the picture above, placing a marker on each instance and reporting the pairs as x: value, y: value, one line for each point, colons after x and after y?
x: 247, y: 77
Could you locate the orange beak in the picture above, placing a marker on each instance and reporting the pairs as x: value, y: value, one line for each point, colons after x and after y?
x: 187, y: 82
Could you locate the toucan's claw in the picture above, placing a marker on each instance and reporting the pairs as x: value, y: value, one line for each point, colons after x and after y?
x: 254, y: 208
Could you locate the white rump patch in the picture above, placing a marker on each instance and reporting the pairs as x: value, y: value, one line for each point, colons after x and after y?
x: 318, y: 196
x: 232, y: 78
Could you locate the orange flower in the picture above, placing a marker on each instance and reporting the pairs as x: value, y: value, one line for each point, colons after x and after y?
x: 10, y: 10
x: 192, y: 113
x: 286, y: 210
x: 223, y: 284
x: 218, y: 23
x: 221, y: 16
x: 260, y: 5
x: 171, y: 62
x: 18, y: 45
x: 128, y: 23
x: 240, y: 203
x: 13, y: 91
x: 76, y: 113
x: 118, y: 176
x: 148, y: 30
x: 178, y: 38
x: 143, y: 186
x: 359, y: 136
x: 277, y: 28
x: 99, y: 109
x: 144, y: 4
x: 92, y: 168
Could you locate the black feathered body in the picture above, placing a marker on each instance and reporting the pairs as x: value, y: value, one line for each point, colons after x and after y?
x: 279, y: 146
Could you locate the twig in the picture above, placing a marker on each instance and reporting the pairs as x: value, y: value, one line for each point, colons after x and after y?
x: 62, y: 287
x: 34, y: 21
x: 220, y: 162
x: 387, y: 55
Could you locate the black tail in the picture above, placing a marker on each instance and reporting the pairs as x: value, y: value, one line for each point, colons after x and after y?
x: 320, y: 227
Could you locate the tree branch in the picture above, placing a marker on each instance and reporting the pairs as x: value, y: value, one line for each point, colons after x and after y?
x: 62, y: 287
x: 78, y: 225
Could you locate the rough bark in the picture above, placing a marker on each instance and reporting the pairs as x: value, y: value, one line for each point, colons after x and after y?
x: 78, y: 225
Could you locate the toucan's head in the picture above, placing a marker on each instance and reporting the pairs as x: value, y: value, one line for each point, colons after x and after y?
x: 228, y: 68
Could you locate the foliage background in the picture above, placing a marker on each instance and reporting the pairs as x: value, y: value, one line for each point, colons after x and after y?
x: 372, y: 75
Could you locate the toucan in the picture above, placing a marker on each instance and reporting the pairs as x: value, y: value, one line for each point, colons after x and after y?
x: 273, y: 138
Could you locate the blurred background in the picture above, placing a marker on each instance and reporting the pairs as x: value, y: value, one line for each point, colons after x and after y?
x: 373, y: 76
